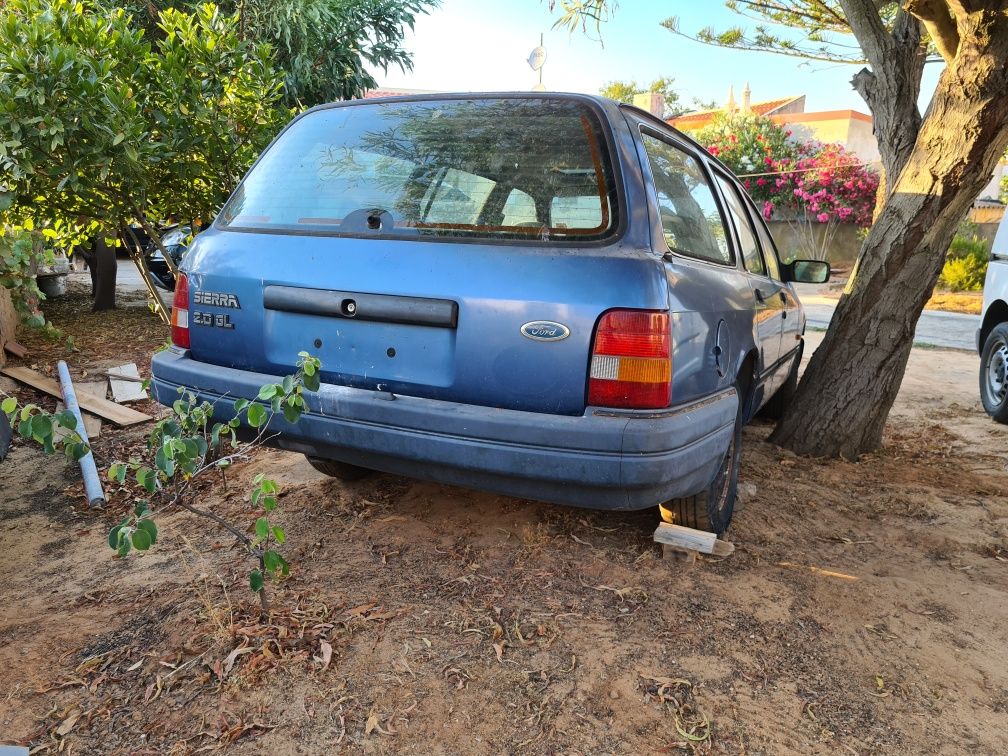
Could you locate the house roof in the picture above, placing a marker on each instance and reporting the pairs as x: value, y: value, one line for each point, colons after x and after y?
x: 694, y: 121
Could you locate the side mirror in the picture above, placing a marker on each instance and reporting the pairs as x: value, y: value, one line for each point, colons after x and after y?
x: 806, y: 271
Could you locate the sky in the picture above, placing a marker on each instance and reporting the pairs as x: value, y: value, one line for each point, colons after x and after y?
x: 483, y: 45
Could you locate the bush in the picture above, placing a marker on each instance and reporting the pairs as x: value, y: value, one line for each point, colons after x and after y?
x: 966, y: 264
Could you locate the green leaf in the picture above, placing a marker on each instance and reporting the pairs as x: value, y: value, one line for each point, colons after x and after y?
x: 240, y: 405
x: 279, y: 534
x: 311, y: 381
x: 141, y: 540
x: 257, y: 415
x: 148, y: 527
x: 268, y: 391
x: 118, y: 138
x: 117, y: 472
x: 256, y: 581
x: 262, y: 529
x: 291, y: 414
x: 269, y: 503
x: 141, y: 508
x: 124, y: 547
x: 114, y: 534
x: 147, y: 478
x: 271, y: 560
x: 66, y: 419
x: 288, y: 385
x: 8, y: 405
x: 41, y: 427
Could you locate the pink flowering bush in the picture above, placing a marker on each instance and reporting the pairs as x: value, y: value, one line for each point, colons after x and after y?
x: 791, y: 180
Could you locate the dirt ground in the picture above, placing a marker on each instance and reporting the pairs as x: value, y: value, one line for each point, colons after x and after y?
x: 864, y: 610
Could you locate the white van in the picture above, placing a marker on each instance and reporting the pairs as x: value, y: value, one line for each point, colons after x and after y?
x: 992, y: 337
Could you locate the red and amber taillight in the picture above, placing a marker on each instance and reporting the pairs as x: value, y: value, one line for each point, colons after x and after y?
x: 180, y: 313
x: 631, y: 365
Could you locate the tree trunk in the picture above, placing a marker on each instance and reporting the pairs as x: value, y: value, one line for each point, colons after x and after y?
x: 851, y: 382
x: 103, y: 274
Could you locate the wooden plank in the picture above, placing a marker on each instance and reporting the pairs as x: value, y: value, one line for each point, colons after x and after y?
x: 126, y: 383
x: 694, y: 540
x: 111, y: 411
x: 18, y: 350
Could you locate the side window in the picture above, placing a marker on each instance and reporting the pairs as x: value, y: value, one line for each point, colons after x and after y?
x: 459, y: 197
x: 767, y: 242
x: 519, y: 210
x: 743, y: 224
x: 576, y: 212
x: 690, y: 217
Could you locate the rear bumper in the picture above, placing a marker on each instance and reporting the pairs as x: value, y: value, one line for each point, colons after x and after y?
x: 603, y: 459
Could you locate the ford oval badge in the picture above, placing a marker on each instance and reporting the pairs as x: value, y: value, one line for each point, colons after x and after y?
x: 545, y: 330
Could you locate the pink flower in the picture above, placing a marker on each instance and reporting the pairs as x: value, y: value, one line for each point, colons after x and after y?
x: 713, y: 150
x: 822, y: 217
x: 768, y: 161
x: 759, y: 182
x: 767, y: 209
x: 746, y: 183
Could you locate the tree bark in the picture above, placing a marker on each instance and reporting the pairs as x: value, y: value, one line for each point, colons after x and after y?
x: 851, y: 382
x: 103, y: 274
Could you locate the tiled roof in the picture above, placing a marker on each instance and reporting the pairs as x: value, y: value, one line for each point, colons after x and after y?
x: 704, y: 117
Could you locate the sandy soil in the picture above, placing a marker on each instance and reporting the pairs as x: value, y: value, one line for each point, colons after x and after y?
x: 864, y: 610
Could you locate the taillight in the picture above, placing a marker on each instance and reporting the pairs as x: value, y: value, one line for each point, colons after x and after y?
x: 180, y: 313
x: 631, y: 362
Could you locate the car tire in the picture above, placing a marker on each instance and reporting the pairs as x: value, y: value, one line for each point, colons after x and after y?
x: 994, y: 373
x: 339, y: 470
x: 712, y: 508
x: 782, y: 398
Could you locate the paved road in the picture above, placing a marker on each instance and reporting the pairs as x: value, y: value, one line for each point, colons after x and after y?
x: 951, y: 330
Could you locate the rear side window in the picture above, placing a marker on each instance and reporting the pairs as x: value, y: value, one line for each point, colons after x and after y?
x: 767, y: 242
x: 747, y: 237
x: 532, y: 168
x: 690, y: 218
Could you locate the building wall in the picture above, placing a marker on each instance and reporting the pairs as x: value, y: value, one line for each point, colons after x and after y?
x: 993, y: 189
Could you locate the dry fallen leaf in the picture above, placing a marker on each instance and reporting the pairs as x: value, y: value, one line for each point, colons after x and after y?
x: 67, y: 724
x: 372, y: 723
x: 499, y: 648
x: 326, y: 649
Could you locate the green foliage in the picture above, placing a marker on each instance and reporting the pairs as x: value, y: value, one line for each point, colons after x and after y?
x: 98, y: 127
x: 189, y: 443
x: 1004, y: 190
x: 34, y: 424
x: 624, y: 91
x: 21, y: 254
x: 966, y: 263
x: 323, y: 46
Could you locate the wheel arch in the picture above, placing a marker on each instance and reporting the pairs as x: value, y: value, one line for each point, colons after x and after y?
x: 996, y: 313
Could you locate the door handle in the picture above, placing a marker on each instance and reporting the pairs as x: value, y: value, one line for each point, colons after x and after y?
x: 783, y: 297
x: 759, y: 296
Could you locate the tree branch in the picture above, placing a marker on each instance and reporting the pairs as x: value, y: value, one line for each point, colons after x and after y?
x: 940, y: 24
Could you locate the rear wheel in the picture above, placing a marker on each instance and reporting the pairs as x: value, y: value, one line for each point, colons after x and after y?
x: 712, y: 508
x: 994, y: 373
x: 339, y: 470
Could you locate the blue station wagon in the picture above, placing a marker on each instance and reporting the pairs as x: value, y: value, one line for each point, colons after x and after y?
x: 550, y: 296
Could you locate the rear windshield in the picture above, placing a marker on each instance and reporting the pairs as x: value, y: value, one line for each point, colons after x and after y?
x: 535, y: 168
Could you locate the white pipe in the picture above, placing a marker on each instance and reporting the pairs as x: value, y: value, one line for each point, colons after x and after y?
x: 92, y: 483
